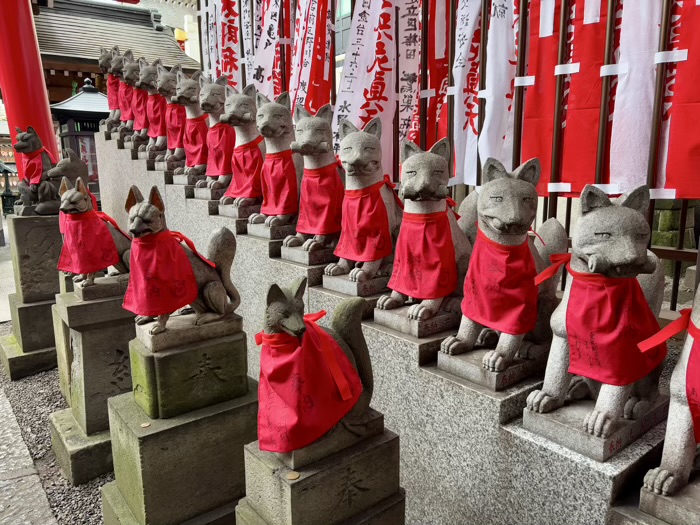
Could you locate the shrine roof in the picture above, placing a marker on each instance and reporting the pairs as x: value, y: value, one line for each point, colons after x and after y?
x: 87, y: 100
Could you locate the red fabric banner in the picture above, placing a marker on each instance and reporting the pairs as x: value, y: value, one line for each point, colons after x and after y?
x: 321, y: 203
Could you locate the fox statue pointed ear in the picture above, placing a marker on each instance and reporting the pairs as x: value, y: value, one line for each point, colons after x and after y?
x: 18, y: 129
x: 637, y: 199
x: 408, y: 149
x: 65, y: 186
x: 157, y: 62
x: 593, y: 198
x: 161, y: 70
x: 155, y: 199
x: 196, y: 75
x: 115, y: 51
x: 30, y: 129
x: 492, y: 170
x: 284, y: 100
x: 250, y: 91
x: 180, y: 76
x: 442, y: 148
x: 529, y: 171
x: 133, y: 198
x: 221, y: 81
x: 80, y: 186
x: 143, y: 63
x: 346, y: 127
x: 298, y: 288
x: 230, y: 91
x: 261, y: 99
x: 203, y: 80
x: 326, y: 112
x: 374, y: 127
x: 103, y: 50
x: 72, y: 155
x: 129, y: 54
x: 177, y: 68
x: 275, y: 295
x: 300, y: 113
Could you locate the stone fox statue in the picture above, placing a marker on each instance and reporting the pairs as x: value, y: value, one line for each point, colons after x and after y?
x: 221, y: 137
x: 175, y: 115
x: 683, y: 426
x: 371, y: 210
x: 166, y: 276
x: 321, y: 199
x: 196, y: 127
x: 70, y: 166
x: 126, y: 92
x: 91, y: 240
x: 305, y: 391
x: 610, y: 304
x: 155, y: 107
x: 35, y: 187
x: 432, y: 253
x: 105, y: 63
x: 499, y: 290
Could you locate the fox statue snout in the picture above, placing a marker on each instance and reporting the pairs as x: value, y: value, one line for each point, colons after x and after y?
x: 509, y: 226
x: 629, y: 267
x: 309, y: 148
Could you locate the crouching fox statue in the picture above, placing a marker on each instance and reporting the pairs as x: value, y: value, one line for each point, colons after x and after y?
x: 311, y: 378
x: 35, y: 186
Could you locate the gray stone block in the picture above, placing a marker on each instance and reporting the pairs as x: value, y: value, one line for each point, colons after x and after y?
x: 273, y: 233
x: 321, y: 298
x: 84, y: 315
x: 327, y: 492
x: 300, y: 255
x: 689, y: 279
x: 18, y: 364
x: 35, y: 243
x: 235, y: 212
x: 341, y: 283
x: 313, y: 274
x: 103, y: 288
x: 469, y: 366
x: 164, y: 166
x: 209, y: 194
x: 64, y: 352
x: 171, y: 470
x: 631, y: 515
x: 32, y: 323
x: 186, y: 378
x: 398, y: 320
x: 181, y: 332
x: 65, y: 282
x: 182, y: 180
x: 682, y: 508
x: 80, y: 457
x: 565, y: 427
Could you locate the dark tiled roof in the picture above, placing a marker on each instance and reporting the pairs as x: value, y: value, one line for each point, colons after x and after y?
x: 88, y: 100
x: 7, y: 168
x: 78, y: 28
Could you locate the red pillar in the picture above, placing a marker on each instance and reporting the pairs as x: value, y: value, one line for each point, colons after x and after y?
x: 22, y: 75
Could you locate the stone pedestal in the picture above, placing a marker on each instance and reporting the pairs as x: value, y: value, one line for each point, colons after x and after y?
x: 168, y: 166
x: 398, y: 320
x: 99, y: 334
x: 339, y: 479
x: 300, y: 255
x: 342, y: 284
x: 209, y: 194
x: 35, y: 243
x: 320, y: 298
x: 190, y: 465
x: 64, y: 352
x: 236, y: 212
x: 272, y: 233
x: 565, y: 427
x: 683, y: 508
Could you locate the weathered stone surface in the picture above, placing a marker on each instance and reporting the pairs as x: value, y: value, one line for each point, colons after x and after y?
x: 65, y: 282
x: 236, y: 212
x: 398, y: 320
x: 300, y: 255
x: 628, y: 513
x: 179, y: 380
x: 327, y: 492
x: 171, y: 470
x: 469, y: 366
x: 337, y: 439
x: 273, y: 233
x: 181, y: 331
x: 85, y: 315
x: 341, y: 283
x: 208, y: 194
x: 34, y: 509
x: 682, y: 508
x: 689, y: 279
x: 321, y: 298
x: 80, y: 457
x: 36, y: 244
x: 64, y: 352
x: 32, y: 324
x: 182, y: 180
x: 565, y: 426
x: 103, y: 288
x: 18, y: 364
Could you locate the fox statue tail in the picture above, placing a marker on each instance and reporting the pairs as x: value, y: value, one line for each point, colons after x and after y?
x: 347, y: 324
x: 222, y: 251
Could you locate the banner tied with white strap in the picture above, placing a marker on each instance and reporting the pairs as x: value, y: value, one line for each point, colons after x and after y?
x: 409, y: 68
x: 264, y: 73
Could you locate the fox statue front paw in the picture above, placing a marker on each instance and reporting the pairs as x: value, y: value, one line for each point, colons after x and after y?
x: 598, y: 423
x: 661, y: 481
x: 540, y: 401
x: 453, y: 346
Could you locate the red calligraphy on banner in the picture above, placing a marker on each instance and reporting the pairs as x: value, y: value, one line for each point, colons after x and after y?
x: 376, y: 96
x: 471, y: 90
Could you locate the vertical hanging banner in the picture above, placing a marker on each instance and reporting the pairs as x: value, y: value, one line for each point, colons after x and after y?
x: 634, y: 99
x: 438, y: 71
x: 266, y: 56
x: 231, y: 43
x: 367, y: 87
x: 538, y: 118
x: 409, y: 58
x: 248, y: 36
x: 465, y: 78
x: 310, y: 83
x: 500, y: 78
x: 684, y: 140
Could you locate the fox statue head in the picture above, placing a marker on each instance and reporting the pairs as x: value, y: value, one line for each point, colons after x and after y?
x: 212, y: 95
x: 106, y: 57
x: 424, y: 174
x: 145, y: 217
x: 148, y: 74
x: 361, y: 151
x: 187, y: 90
x: 285, y: 310
x: 239, y: 108
x: 74, y: 199
x: 167, y: 80
x: 313, y: 133
x: 27, y: 141
x: 274, y: 119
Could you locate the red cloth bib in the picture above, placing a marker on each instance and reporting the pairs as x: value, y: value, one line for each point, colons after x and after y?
x: 155, y: 109
x: 692, y: 372
x: 140, y: 107
x: 424, y: 262
x: 161, y: 279
x: 196, y: 130
x: 33, y: 166
x: 365, y: 234
x: 88, y: 246
x: 126, y: 93
x: 221, y: 140
x: 306, y: 387
x: 321, y: 203
x: 247, y: 164
x: 279, y: 184
x: 112, y: 92
x: 175, y: 116
x: 62, y: 216
x: 499, y: 290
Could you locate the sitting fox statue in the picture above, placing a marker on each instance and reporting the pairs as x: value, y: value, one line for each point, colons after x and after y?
x: 607, y: 309
x: 196, y: 127
x: 166, y: 276
x: 311, y: 378
x: 35, y: 186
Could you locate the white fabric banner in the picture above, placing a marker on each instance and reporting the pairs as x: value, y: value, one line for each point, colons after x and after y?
x: 500, y: 79
x: 211, y: 38
x: 634, y: 100
x: 366, y: 89
x: 248, y: 36
x: 409, y: 65
x: 264, y: 62
x: 231, y: 59
x: 465, y: 78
